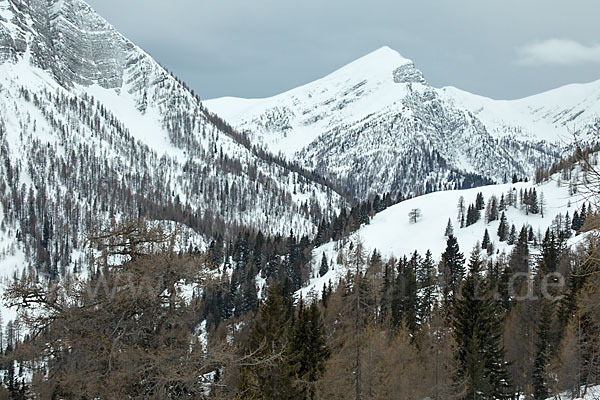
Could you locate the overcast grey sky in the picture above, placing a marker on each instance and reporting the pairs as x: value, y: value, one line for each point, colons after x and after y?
x: 500, y: 49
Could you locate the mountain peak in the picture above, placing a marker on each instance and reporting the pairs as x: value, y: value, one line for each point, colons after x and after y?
x: 383, y: 57
x: 385, y: 54
x: 384, y: 64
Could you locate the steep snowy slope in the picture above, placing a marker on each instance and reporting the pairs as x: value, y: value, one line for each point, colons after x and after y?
x: 93, y: 129
x: 394, y: 235
x: 375, y: 125
x: 552, y: 116
x: 292, y: 120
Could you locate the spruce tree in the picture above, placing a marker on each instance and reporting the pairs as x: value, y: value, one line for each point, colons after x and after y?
x: 502, y: 204
x: 530, y: 235
x: 478, y: 332
x: 519, y: 257
x: 473, y: 215
x: 512, y: 236
x: 582, y: 216
x: 449, y: 229
x: 567, y: 228
x: 324, y: 268
x: 268, y: 376
x: 533, y: 202
x: 542, y: 356
x: 426, y: 281
x: 550, y: 253
x: 293, y: 261
x: 486, y: 240
x: 576, y: 223
x: 307, y: 351
x: 491, y: 211
x: 409, y: 300
x: 453, y: 261
x: 479, y: 202
x: 502, y: 228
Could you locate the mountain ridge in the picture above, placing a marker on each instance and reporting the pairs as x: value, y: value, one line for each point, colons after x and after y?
x: 382, y: 102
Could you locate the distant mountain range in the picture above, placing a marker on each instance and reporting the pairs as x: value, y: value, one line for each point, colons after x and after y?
x: 376, y: 125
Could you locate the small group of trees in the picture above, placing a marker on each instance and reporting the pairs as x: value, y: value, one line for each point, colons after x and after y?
x: 349, y: 221
x: 286, y: 353
x: 529, y: 200
x: 471, y: 214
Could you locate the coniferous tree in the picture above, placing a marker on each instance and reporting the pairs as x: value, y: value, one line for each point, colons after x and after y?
x: 502, y: 228
x: 386, y: 291
x: 414, y: 215
x: 502, y: 204
x: 519, y: 258
x: 491, y: 211
x: 449, y: 229
x: 478, y: 332
x: 131, y: 340
x: 321, y: 233
x: 307, y: 351
x: 426, y: 282
x: 461, y: 210
x: 512, y: 236
x: 324, y: 268
x: 268, y: 376
x: 375, y: 258
x: 582, y: 216
x: 453, y: 263
x: 533, y: 202
x: 409, y: 299
x: 486, y: 240
x: 479, y: 202
x: 567, y: 228
x: 473, y: 215
x: 530, y: 235
x: 576, y: 223
x: 293, y: 261
x: 550, y: 253
x: 542, y: 357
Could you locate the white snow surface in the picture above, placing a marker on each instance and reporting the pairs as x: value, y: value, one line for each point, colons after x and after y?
x: 351, y: 93
x: 393, y: 235
x: 554, y: 115
x: 591, y: 393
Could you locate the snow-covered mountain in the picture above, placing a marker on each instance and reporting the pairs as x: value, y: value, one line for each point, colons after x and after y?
x: 376, y: 125
x: 93, y: 129
x: 553, y: 116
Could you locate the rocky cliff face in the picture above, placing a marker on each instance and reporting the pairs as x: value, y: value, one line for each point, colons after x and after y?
x: 408, y: 73
x: 67, y: 38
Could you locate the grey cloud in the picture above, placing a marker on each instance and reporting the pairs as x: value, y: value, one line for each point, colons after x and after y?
x: 263, y: 47
x: 559, y: 51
